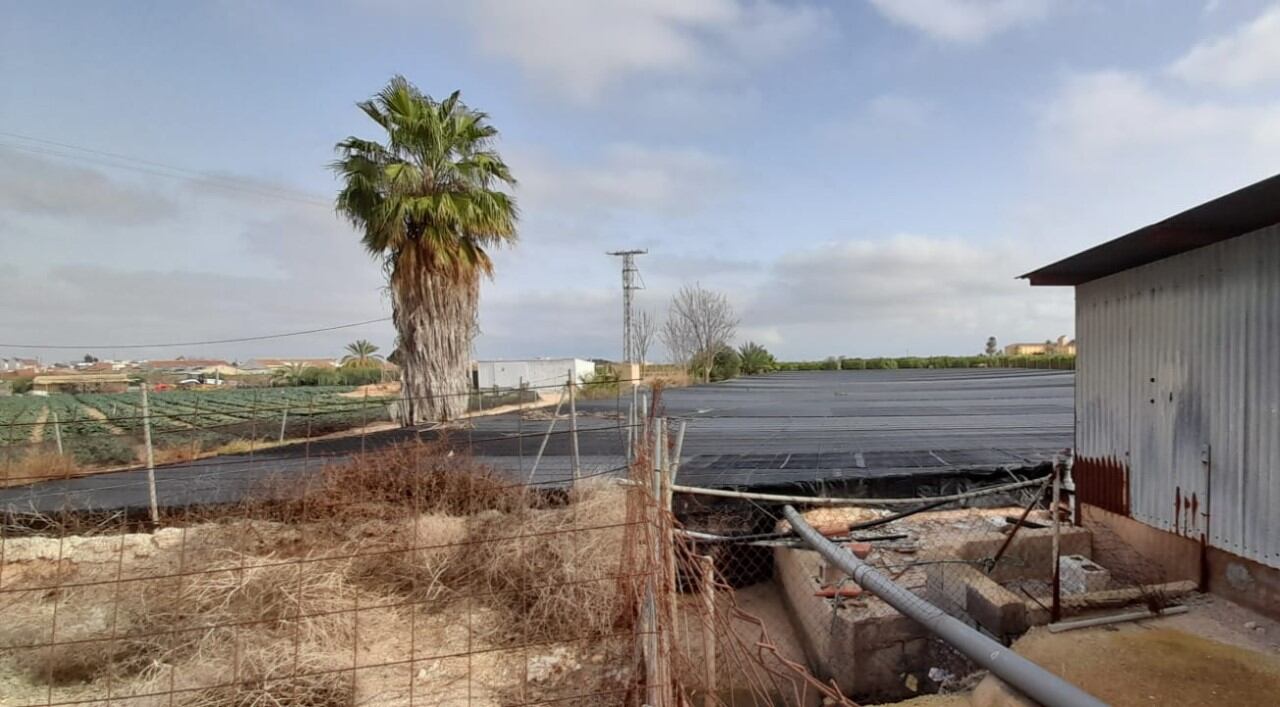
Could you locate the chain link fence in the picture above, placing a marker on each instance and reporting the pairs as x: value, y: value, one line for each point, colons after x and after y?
x: 408, y: 573
x: 985, y: 556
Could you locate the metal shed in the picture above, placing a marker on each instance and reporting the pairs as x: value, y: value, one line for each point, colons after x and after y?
x: 1178, y: 372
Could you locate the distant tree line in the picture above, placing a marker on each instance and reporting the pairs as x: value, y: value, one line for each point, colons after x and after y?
x: 841, y: 363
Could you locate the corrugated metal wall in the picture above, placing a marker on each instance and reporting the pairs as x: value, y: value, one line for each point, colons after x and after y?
x: 1178, y: 394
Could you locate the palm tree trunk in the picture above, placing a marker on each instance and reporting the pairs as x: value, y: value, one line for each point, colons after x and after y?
x: 435, y: 317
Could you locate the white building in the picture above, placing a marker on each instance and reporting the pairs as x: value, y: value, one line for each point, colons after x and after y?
x: 1178, y: 390
x: 531, y: 373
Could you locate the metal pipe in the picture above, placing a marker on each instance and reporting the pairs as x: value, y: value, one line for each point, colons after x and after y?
x: 1032, y: 680
x: 827, y: 501
x: 1060, y: 626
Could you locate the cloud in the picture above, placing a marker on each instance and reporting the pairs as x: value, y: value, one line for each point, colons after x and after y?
x: 625, y: 177
x: 889, y: 120
x: 99, y: 305
x: 1101, y: 120
x: 43, y: 187
x: 918, y: 293
x: 1246, y: 58
x: 962, y: 21
x: 551, y: 321
x: 581, y: 49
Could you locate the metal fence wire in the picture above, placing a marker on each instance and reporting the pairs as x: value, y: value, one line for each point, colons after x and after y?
x: 502, y: 566
x: 413, y: 573
x: 985, y: 556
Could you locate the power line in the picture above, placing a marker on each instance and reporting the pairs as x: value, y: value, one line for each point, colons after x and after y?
x: 196, y: 343
x: 54, y: 148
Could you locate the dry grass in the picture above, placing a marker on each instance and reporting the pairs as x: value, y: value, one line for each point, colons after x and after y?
x: 258, y: 609
x: 423, y: 559
x: 406, y: 480
x: 37, y: 466
x: 556, y: 573
x: 121, y: 632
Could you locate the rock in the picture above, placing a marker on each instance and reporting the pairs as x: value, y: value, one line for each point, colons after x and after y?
x: 1251, y: 625
x: 559, y: 662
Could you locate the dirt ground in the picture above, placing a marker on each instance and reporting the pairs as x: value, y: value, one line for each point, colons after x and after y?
x: 1206, y: 657
x: 261, y: 611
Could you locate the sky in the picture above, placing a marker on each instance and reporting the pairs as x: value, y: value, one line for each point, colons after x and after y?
x: 860, y: 178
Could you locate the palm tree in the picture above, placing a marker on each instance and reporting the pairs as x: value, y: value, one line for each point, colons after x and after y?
x: 756, y: 359
x: 288, y: 374
x: 429, y: 204
x: 361, y: 353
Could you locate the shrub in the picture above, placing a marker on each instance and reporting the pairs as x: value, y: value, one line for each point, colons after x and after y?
x: 604, y: 383
x: 756, y: 359
x: 413, y: 477
x: 356, y: 374
x: 102, y: 450
x: 726, y: 364
x: 315, y: 375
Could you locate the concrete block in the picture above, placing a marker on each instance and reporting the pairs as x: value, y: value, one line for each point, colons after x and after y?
x: 1030, y: 555
x: 996, y: 609
x: 1079, y: 575
x: 876, y: 631
x: 946, y: 586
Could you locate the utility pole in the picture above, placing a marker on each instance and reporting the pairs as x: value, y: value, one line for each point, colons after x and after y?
x: 629, y: 273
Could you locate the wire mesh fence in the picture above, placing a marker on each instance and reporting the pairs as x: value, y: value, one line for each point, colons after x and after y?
x: 536, y: 558
x: 994, y: 558
x: 409, y: 573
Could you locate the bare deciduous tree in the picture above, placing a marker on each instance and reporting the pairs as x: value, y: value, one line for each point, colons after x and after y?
x: 699, y: 323
x: 643, y: 331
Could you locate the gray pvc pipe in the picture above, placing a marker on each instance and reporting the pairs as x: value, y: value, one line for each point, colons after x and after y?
x: 1027, y: 677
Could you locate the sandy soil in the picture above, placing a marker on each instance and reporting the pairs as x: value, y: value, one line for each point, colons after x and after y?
x: 374, y: 390
x: 101, y: 416
x: 1160, y: 662
x: 37, y: 430
x: 453, y: 651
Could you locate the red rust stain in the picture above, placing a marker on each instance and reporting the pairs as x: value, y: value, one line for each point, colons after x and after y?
x: 1177, y: 509
x: 1195, y: 511
x: 1102, y: 482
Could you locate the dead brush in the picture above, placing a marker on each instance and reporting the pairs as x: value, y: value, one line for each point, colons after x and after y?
x: 553, y: 574
x: 38, y: 465
x: 399, y: 481
x: 101, y: 633
x: 264, y: 672
x: 423, y: 559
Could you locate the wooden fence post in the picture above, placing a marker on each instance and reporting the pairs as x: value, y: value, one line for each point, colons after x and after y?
x: 151, y: 459
x: 573, y: 430
x: 708, y: 566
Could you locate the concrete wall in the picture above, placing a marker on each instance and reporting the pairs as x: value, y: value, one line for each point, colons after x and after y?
x: 865, y: 649
x: 1178, y: 395
x: 1239, y: 579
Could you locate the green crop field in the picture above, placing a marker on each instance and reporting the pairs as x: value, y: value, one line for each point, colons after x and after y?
x: 107, y: 428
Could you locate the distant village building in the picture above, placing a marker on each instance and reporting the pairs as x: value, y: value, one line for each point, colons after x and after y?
x: 270, y: 365
x: 186, y: 365
x: 28, y: 366
x: 1061, y: 347
x: 80, y: 383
